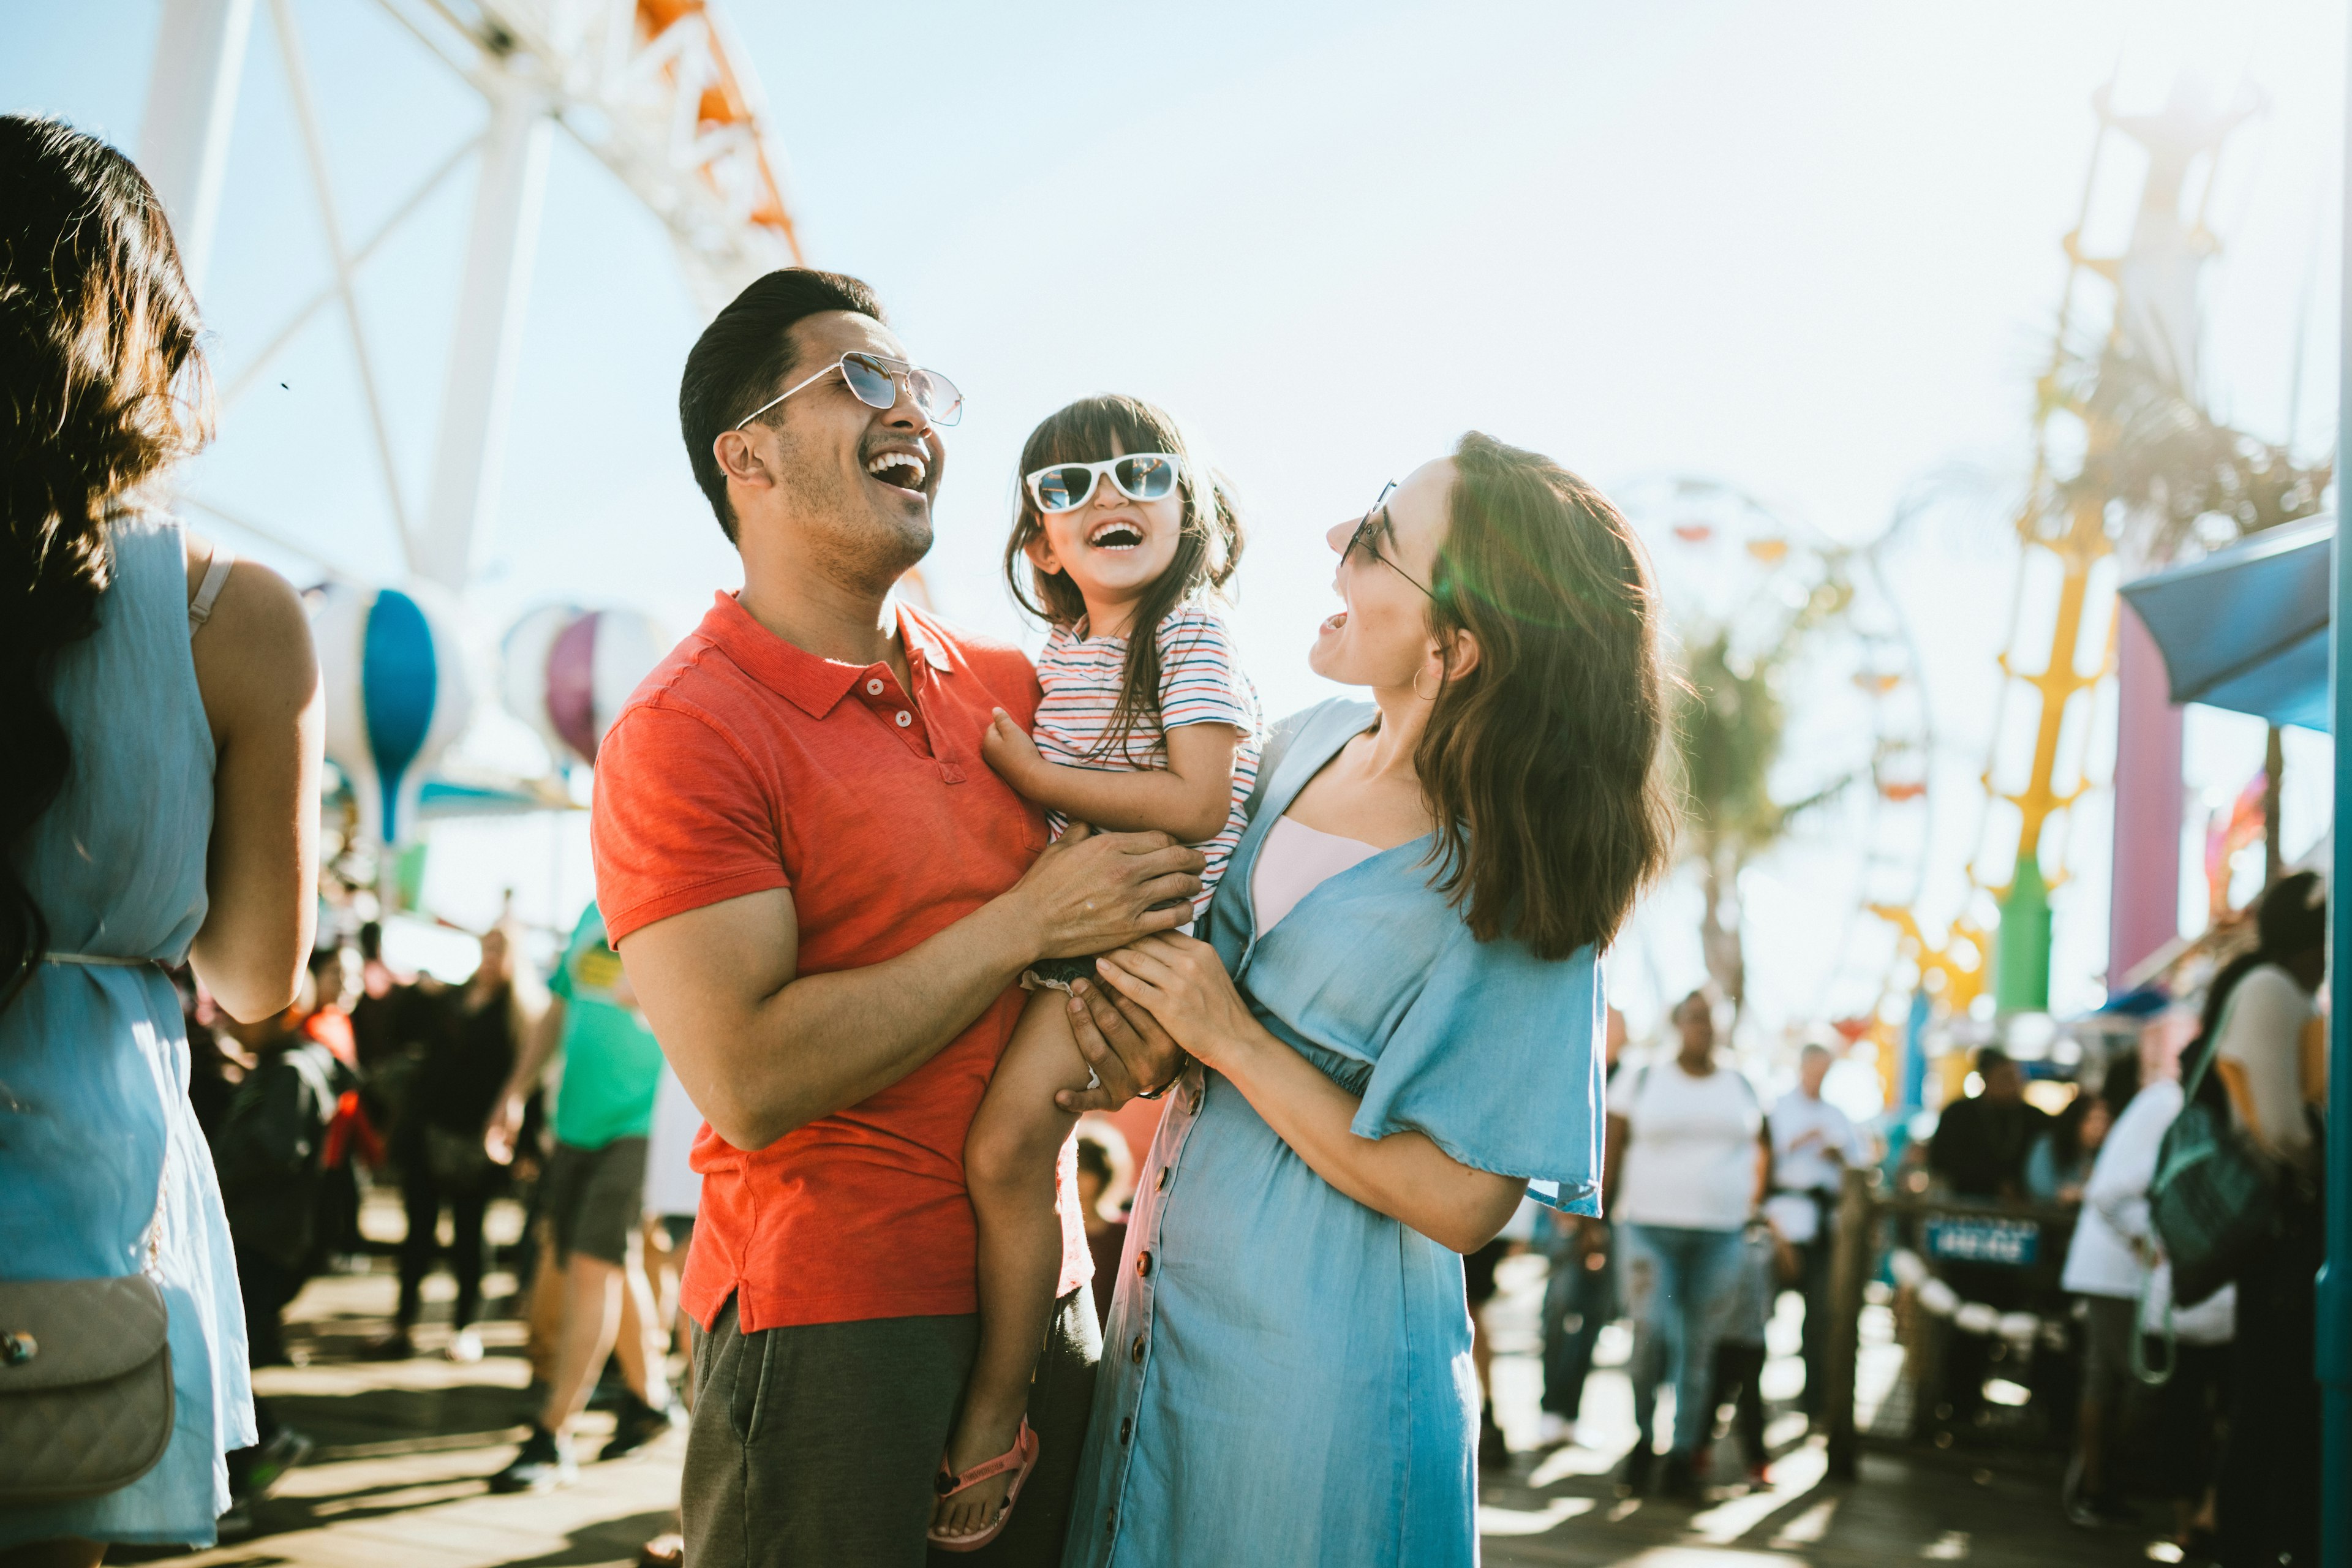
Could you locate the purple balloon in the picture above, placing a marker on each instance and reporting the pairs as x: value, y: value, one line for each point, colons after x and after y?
x: 572, y: 685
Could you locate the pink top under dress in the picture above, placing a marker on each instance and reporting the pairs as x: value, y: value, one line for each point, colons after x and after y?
x: 1294, y: 861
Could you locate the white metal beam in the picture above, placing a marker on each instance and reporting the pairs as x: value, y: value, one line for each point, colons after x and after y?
x: 191, y: 106
x: 468, y: 455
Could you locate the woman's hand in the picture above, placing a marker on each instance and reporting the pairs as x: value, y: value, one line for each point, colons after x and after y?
x: 1182, y: 984
x: 1008, y: 748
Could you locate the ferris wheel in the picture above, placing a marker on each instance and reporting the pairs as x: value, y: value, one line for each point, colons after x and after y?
x: 1859, y: 735
x: 657, y: 91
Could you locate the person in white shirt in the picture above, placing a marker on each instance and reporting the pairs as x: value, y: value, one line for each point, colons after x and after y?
x: 1686, y: 1163
x: 1813, y: 1142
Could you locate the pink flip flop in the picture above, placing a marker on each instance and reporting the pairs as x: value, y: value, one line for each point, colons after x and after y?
x: 1021, y: 1458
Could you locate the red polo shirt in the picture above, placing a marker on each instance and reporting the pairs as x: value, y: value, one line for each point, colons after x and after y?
x: 743, y: 763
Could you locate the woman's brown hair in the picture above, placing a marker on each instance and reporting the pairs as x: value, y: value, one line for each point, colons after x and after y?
x: 104, y: 388
x: 1207, y: 553
x: 1544, y: 761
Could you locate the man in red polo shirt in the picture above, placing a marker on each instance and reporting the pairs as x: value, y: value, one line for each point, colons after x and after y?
x: 823, y: 897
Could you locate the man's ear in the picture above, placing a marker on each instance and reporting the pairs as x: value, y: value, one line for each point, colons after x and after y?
x: 1040, y: 550
x: 739, y: 460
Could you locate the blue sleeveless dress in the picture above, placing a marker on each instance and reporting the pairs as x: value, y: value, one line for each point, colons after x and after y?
x: 94, y: 1113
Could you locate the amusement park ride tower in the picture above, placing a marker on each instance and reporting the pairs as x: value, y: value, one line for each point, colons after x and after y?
x: 2066, y: 636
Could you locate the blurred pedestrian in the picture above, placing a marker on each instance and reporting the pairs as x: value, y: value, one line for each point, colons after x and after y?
x: 272, y: 1159
x: 1979, y: 1150
x: 1106, y: 1178
x: 1738, y: 1376
x: 2107, y: 1269
x: 2259, y: 1025
x: 593, y: 1203
x: 2060, y: 1161
x: 1814, y: 1146
x: 1580, y: 1293
x: 1980, y: 1142
x: 160, y: 724
x: 1688, y: 1160
x: 438, y: 1143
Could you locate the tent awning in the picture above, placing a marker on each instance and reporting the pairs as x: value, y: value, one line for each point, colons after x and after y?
x: 2246, y: 627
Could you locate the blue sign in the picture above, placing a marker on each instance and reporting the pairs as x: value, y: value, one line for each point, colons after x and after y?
x: 2012, y: 1242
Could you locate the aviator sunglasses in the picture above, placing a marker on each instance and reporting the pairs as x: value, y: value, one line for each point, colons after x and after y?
x: 875, y: 380
x: 1138, y: 476
x: 1367, y: 536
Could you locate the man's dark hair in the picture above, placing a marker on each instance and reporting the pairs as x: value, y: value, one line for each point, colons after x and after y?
x: 743, y: 357
x: 1990, y: 1060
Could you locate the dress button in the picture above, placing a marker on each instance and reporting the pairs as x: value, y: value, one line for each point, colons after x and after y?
x: 874, y: 687
x: 905, y: 717
x: 1143, y: 1264
x: 1127, y: 1430
x: 1137, y: 1353
x: 1196, y: 1099
x: 1161, y: 1184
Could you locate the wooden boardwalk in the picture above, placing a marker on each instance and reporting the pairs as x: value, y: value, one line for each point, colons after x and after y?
x: 404, y: 1450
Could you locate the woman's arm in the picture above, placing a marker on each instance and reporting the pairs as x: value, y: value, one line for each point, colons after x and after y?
x: 1190, y: 798
x: 259, y: 680
x: 1179, y: 985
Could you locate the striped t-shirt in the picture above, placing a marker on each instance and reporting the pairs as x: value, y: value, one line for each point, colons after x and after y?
x: 1200, y: 683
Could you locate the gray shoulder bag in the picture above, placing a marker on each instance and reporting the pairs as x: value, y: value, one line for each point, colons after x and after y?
x: 85, y: 1379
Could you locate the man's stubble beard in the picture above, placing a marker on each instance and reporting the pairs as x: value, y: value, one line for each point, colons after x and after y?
x: 858, y: 540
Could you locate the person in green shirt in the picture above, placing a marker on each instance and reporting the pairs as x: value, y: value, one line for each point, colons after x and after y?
x: 592, y: 1195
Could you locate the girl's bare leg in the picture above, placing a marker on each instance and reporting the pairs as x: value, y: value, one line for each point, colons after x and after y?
x: 1009, y: 1159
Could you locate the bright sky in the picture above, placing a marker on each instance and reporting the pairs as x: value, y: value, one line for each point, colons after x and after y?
x: 1811, y: 249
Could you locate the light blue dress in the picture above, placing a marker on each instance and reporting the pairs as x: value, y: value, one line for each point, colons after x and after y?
x: 94, y: 1114
x: 1286, y: 1376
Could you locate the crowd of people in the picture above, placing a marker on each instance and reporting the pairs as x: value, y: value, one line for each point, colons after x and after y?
x: 884, y: 910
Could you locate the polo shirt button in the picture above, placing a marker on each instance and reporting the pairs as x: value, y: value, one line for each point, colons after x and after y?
x: 1143, y: 1264
x: 1137, y: 1353
x: 905, y: 717
x: 1127, y: 1430
x: 874, y: 687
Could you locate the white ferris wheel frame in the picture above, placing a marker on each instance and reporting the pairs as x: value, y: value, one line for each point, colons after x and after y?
x: 657, y: 90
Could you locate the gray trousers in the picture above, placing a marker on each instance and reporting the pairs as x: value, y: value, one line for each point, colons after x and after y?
x: 815, y: 1446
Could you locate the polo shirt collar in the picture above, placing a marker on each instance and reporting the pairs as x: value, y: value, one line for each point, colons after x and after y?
x: 811, y: 684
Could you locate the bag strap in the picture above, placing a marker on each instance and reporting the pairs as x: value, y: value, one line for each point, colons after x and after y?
x: 2213, y: 1048
x: 2154, y: 1377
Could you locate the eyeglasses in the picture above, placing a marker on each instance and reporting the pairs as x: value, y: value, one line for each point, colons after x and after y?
x: 1138, y: 476
x: 1366, y: 533
x: 875, y: 380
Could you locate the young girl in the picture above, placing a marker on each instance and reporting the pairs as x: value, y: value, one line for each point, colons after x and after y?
x: 1146, y: 722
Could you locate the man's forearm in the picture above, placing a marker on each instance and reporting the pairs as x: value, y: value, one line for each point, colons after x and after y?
x: 825, y: 1042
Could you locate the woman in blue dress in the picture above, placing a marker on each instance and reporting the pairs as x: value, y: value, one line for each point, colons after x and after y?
x: 158, y: 800
x: 1393, y: 1029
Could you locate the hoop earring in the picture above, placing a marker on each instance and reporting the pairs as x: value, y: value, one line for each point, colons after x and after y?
x: 1427, y: 696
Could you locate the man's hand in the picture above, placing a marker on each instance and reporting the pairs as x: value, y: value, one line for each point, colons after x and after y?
x: 1129, y: 1051
x: 1090, y: 892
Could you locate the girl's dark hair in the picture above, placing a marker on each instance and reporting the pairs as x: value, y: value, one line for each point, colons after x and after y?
x: 105, y: 388
x: 1542, y: 763
x: 2291, y: 920
x: 1208, y: 550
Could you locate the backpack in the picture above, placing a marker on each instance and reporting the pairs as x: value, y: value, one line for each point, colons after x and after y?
x: 2214, y: 1202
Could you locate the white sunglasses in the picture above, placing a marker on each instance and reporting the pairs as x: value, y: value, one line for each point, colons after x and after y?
x: 1138, y: 476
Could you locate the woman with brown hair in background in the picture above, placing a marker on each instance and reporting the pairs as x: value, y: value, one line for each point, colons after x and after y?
x: 158, y: 804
